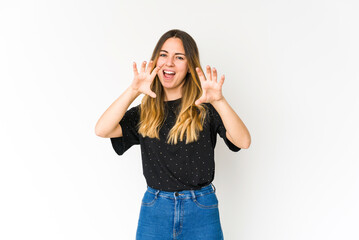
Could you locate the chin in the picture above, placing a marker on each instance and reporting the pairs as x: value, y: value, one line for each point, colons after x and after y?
x: 168, y: 86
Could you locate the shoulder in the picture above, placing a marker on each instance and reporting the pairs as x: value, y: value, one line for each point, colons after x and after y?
x: 211, y: 111
x: 135, y: 109
x: 212, y: 115
x: 133, y: 112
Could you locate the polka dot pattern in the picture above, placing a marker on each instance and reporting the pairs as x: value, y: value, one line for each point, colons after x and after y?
x: 174, y: 167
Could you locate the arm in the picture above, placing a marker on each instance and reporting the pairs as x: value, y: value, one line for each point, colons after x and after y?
x: 237, y: 132
x: 108, y: 125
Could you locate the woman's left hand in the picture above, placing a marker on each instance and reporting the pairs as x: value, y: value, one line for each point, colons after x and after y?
x: 212, y: 90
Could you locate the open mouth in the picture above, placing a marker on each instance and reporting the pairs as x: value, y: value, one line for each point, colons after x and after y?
x: 168, y: 74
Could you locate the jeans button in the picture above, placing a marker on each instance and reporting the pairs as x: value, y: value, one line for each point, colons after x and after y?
x: 176, y: 193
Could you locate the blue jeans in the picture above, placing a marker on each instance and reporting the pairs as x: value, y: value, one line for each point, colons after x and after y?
x: 182, y: 215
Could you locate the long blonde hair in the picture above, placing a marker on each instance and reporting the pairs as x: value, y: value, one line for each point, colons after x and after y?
x: 191, y: 117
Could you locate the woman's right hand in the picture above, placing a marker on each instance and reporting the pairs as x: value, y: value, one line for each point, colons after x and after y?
x: 142, y: 81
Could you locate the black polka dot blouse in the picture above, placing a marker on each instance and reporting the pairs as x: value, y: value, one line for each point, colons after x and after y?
x: 170, y: 167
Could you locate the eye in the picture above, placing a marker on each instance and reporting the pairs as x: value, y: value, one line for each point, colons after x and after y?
x: 180, y: 58
x: 162, y: 55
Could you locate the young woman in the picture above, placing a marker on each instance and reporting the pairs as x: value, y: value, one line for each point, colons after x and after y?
x: 176, y: 125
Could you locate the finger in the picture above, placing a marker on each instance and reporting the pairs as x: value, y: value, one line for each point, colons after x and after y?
x: 152, y: 94
x: 143, y: 66
x: 199, y: 101
x: 209, y: 74
x: 135, y: 71
x: 214, y: 74
x: 200, y: 74
x: 149, y: 67
x: 221, y: 81
x: 155, y: 71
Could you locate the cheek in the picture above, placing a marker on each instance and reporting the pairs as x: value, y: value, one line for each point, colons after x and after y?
x: 159, y: 62
x: 184, y: 68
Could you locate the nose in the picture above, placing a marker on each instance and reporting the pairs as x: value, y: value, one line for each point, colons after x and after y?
x: 169, y: 62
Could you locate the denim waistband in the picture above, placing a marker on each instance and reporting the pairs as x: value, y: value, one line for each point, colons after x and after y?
x: 184, y: 194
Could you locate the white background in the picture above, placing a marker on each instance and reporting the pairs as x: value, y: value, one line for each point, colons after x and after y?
x: 291, y: 75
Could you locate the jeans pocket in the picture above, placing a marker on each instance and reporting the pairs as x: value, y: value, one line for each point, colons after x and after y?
x: 207, y: 201
x: 149, y: 199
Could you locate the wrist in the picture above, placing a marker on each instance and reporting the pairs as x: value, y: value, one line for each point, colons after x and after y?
x: 219, y: 102
x: 133, y: 92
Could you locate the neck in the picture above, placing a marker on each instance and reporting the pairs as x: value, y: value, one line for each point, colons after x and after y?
x: 172, y: 95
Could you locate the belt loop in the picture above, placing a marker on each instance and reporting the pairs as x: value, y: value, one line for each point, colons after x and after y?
x: 156, y: 193
x: 193, y: 194
x: 214, y: 188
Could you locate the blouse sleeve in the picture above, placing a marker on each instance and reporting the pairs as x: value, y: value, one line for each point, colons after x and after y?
x: 130, y: 135
x: 217, y: 126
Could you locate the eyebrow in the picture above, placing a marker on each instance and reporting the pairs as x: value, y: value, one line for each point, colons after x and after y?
x: 175, y: 53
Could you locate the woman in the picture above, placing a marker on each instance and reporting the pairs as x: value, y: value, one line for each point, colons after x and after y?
x: 176, y: 125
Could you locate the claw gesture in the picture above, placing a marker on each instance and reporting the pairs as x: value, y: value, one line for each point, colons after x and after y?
x: 142, y: 80
x: 212, y: 90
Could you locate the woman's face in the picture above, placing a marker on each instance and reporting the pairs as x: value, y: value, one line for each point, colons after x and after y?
x: 175, y: 67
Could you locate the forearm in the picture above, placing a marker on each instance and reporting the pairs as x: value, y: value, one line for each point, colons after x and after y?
x: 237, y: 132
x: 114, y: 113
